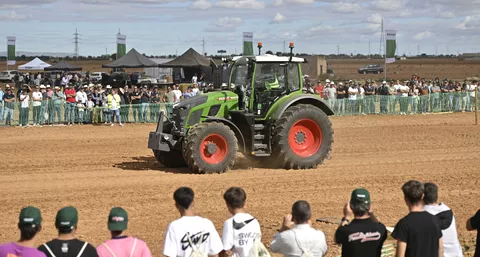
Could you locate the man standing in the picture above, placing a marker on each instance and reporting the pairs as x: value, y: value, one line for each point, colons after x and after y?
x: 97, y: 99
x: 9, y: 105
x: 170, y: 99
x: 446, y: 221
x: 331, y: 93
x: 360, y: 234
x: 352, y: 98
x: 135, y: 99
x: 1, y: 103
x: 81, y: 100
x: 341, y: 95
x: 384, y: 92
x: 113, y: 102
x: 418, y: 233
x: 144, y: 99
x: 24, y: 106
x: 30, y: 224
x: 124, y: 104
x: 190, y: 232
x: 70, y: 105
x: 178, y: 93
x: 67, y: 244
x: 297, y: 237
x: 242, y: 229
x: 37, y: 98
x: 370, y: 98
x: 121, y: 245
x: 57, y: 99
x: 474, y: 224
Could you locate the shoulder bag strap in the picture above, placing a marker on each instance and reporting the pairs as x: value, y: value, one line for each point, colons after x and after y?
x: 82, y: 250
x: 133, y: 248
x: 49, y: 250
x: 194, y: 247
x: 109, y: 250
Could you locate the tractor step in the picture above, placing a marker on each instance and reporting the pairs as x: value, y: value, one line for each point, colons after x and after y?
x: 259, y: 127
x: 260, y: 146
x: 261, y: 154
x: 258, y: 137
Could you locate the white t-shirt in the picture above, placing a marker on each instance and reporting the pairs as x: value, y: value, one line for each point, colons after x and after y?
x: 240, y: 240
x: 310, y: 239
x: 176, y: 242
x: 37, y: 96
x: 361, y: 92
x: 331, y: 91
x: 352, y: 93
x: 194, y: 79
x: 471, y: 89
x: 25, y: 100
x: 397, y: 88
x: 406, y: 88
x: 81, y: 97
x: 195, y: 91
x: 451, y: 245
x: 178, y: 94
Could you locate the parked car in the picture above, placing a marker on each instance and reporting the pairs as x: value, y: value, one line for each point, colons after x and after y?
x: 8, y: 75
x: 371, y: 68
x: 96, y: 76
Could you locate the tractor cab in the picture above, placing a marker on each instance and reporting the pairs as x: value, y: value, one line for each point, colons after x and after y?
x: 262, y: 80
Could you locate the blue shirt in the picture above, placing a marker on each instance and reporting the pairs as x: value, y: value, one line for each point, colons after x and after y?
x: 187, y: 95
x: 1, y: 96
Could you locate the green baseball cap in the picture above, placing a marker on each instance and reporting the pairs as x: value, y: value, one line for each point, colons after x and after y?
x: 67, y: 217
x: 360, y: 195
x: 30, y: 216
x: 117, y: 219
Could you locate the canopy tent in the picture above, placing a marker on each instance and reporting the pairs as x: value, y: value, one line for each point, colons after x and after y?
x: 63, y: 66
x: 189, y: 59
x: 35, y: 64
x: 132, y: 59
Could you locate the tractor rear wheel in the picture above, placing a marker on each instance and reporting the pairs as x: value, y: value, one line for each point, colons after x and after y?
x: 210, y: 147
x: 302, y: 137
x: 173, y: 159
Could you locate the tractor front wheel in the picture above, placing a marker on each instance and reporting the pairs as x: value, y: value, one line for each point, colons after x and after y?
x: 302, y: 137
x: 173, y: 159
x: 210, y: 148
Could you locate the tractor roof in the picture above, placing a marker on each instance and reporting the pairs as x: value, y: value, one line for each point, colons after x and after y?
x: 271, y: 58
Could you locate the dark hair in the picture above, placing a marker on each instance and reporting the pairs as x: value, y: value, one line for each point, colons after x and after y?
x: 360, y: 209
x: 116, y: 233
x: 183, y: 197
x: 235, y: 197
x: 67, y: 230
x: 301, y: 211
x: 413, y: 191
x: 27, y: 232
x: 431, y: 193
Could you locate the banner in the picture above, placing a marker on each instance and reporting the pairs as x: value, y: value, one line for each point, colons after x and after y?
x: 11, y: 51
x: 390, y: 45
x: 248, y: 43
x: 121, y: 45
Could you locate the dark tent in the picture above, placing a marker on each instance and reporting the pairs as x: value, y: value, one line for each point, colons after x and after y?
x: 132, y: 59
x: 189, y: 59
x: 63, y: 66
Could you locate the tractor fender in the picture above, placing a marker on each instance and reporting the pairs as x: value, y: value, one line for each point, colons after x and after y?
x: 302, y: 99
x: 233, y: 127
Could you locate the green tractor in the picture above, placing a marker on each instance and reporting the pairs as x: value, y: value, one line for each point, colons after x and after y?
x: 264, y: 113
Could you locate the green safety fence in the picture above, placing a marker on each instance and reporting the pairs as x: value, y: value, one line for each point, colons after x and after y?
x: 61, y: 112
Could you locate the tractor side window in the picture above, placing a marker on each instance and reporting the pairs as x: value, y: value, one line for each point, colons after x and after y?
x: 270, y: 76
x: 293, y: 77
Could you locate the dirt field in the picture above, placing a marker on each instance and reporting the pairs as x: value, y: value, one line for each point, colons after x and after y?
x: 97, y: 168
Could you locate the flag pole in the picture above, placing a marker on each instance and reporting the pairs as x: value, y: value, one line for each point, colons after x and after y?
x: 385, y: 48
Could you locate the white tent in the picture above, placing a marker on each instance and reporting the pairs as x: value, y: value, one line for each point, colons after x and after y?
x: 35, y: 64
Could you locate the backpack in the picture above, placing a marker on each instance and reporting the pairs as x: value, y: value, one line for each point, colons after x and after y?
x: 78, y: 255
x: 304, y: 252
x: 196, y: 252
x: 258, y: 249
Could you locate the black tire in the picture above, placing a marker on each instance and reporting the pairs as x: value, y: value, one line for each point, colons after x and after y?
x: 173, y: 159
x: 194, y: 156
x: 282, y: 150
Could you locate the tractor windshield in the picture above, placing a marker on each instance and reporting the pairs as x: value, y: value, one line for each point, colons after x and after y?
x: 239, y: 76
x: 273, y: 76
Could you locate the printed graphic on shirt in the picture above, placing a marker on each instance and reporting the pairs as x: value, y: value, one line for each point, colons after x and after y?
x: 197, y: 239
x: 364, y: 237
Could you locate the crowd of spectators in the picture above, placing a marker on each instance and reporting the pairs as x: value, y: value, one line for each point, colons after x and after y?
x: 429, y: 230
x: 413, y: 96
x: 87, y: 103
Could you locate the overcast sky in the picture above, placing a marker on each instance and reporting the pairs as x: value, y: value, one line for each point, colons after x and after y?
x: 159, y: 27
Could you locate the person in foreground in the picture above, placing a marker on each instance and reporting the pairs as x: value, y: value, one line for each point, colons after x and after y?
x: 418, y: 233
x: 121, y: 245
x: 190, y: 233
x: 30, y: 224
x: 67, y: 245
x: 242, y: 229
x: 360, y: 233
x: 446, y: 221
x: 297, y: 237
x: 474, y: 224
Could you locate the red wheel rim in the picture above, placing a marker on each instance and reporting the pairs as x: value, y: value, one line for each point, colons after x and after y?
x: 221, y: 148
x: 305, y: 137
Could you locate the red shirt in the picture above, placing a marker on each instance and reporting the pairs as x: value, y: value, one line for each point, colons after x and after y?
x: 70, y: 92
x: 319, y: 89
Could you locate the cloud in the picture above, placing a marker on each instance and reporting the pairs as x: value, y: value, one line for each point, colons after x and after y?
x: 13, y: 16
x: 447, y: 15
x: 108, y: 2
x: 240, y: 4
x: 225, y: 24
x: 469, y: 22
x: 300, y: 2
x: 423, y: 35
x: 202, y: 4
x: 279, y: 18
x: 387, y: 5
x: 375, y: 18
x: 319, y: 30
x: 341, y: 7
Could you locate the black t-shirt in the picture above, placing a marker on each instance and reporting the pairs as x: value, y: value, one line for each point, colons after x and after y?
x: 361, y: 238
x: 344, y: 90
x: 135, y: 101
x: 475, y: 222
x: 421, y: 232
x: 68, y: 248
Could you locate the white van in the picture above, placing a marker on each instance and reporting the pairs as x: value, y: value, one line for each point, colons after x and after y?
x: 7, y: 75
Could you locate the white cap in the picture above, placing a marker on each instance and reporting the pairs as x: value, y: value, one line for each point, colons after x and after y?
x: 48, y: 86
x: 7, y: 86
x: 91, y: 85
x: 108, y: 86
x: 332, y: 83
x: 57, y: 87
x: 42, y: 87
x: 85, y: 86
x: 384, y: 82
x: 340, y: 84
x: 327, y: 81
